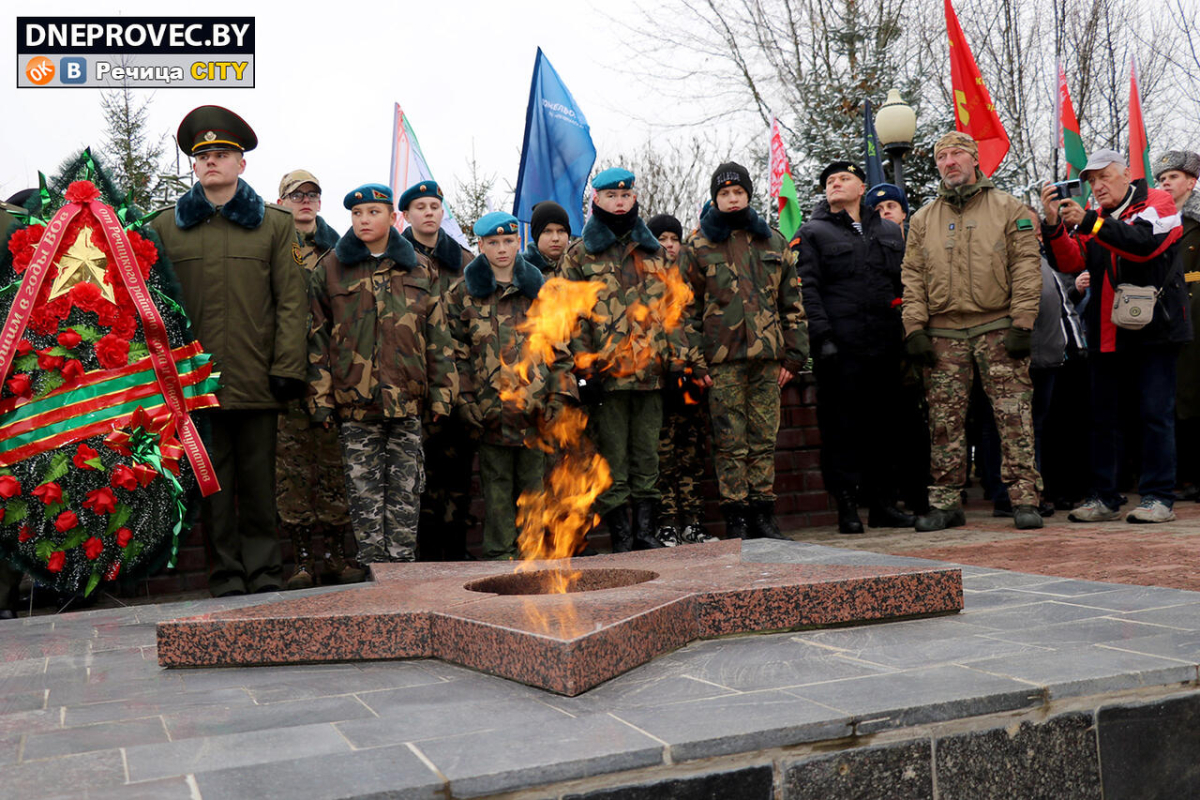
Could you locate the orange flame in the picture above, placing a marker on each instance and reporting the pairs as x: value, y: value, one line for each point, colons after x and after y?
x: 635, y: 350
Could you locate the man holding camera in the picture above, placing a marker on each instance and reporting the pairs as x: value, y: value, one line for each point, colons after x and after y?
x: 1128, y: 246
x: 972, y: 284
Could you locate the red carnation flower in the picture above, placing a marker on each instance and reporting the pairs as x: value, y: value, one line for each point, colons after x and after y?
x: 9, y: 486
x: 126, y: 325
x: 124, y: 536
x: 92, y: 548
x: 66, y: 521
x: 2, y: 511
x: 84, y: 454
x: 47, y: 315
x: 24, y: 348
x: 81, y: 192
x: 49, y: 493
x: 113, y: 571
x: 22, y: 243
x: 25, y: 535
x: 69, y: 338
x: 72, y: 372
x: 123, y: 478
x: 101, y: 501
x: 86, y: 295
x: 20, y: 385
x: 57, y: 561
x: 112, y: 351
x: 145, y: 251
x: 47, y: 361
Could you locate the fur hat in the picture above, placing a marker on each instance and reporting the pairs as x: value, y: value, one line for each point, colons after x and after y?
x: 1182, y: 160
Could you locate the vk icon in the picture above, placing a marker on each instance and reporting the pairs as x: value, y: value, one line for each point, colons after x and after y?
x: 72, y: 70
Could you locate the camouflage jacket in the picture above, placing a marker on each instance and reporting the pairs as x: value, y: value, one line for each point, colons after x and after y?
x: 538, y: 259
x: 746, y: 304
x: 447, y: 258
x: 378, y: 347
x: 484, y: 317
x: 311, y: 246
x: 634, y: 271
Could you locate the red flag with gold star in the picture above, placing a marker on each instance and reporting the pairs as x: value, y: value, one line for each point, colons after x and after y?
x: 974, y: 113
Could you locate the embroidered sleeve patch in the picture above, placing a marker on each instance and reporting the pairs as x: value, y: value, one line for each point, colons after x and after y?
x: 1024, y: 224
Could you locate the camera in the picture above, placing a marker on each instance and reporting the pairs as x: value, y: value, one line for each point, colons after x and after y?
x: 1066, y: 189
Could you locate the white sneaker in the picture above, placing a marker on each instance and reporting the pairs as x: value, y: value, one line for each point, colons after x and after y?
x: 1151, y: 510
x: 1094, y: 510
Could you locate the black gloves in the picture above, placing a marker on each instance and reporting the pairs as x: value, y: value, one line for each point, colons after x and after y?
x: 1018, y: 342
x: 286, y: 389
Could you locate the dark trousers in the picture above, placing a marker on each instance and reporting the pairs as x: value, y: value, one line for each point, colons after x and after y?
x: 1152, y: 370
x: 239, y: 520
x: 446, y: 501
x: 10, y: 581
x: 858, y: 413
x: 504, y: 474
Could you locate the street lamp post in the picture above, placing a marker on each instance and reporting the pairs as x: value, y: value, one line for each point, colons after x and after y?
x: 896, y: 125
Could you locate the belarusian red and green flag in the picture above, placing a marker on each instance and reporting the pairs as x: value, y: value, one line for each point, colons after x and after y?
x: 1069, y: 138
x: 1139, y: 148
x: 783, y: 188
x: 974, y: 113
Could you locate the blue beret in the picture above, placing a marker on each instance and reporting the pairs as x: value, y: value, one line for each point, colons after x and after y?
x: 613, y: 178
x: 496, y: 223
x: 422, y: 189
x: 368, y: 193
x: 886, y: 191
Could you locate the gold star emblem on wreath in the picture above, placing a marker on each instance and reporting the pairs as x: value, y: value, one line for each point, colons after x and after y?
x: 82, y: 263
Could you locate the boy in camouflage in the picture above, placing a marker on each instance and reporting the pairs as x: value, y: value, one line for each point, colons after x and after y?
x: 684, y: 434
x: 618, y: 250
x: 484, y: 311
x: 378, y: 348
x: 748, y: 338
x: 310, y: 482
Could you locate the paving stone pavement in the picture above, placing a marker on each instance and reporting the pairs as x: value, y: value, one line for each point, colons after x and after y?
x: 83, y: 702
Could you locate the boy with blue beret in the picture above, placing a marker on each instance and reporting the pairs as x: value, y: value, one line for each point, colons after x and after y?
x: 619, y: 251
x: 485, y: 311
x: 889, y: 200
x: 446, y: 502
x: 379, y: 354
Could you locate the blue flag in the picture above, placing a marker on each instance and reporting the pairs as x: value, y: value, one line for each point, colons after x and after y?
x: 557, y: 154
x: 874, y: 164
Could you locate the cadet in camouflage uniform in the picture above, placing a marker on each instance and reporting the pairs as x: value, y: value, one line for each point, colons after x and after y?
x: 748, y: 338
x: 972, y: 285
x: 684, y: 435
x: 446, y: 501
x: 550, y: 229
x: 378, y: 348
x: 483, y: 311
x: 618, y: 250
x: 310, y: 482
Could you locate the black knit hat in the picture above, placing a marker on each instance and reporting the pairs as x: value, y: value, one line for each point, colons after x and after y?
x: 661, y: 223
x: 545, y: 213
x: 731, y: 174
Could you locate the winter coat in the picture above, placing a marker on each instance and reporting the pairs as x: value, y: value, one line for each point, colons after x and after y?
x: 1140, y: 246
x: 242, y: 289
x: 311, y: 246
x: 484, y: 319
x: 747, y: 304
x: 378, y: 346
x: 1187, y: 402
x: 851, y: 281
x: 1057, y: 323
x: 447, y: 258
x: 634, y: 273
x: 972, y: 258
x: 534, y: 256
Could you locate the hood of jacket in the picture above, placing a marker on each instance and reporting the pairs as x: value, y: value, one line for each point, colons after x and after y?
x: 245, y: 209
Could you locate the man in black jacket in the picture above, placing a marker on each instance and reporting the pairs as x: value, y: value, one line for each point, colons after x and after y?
x: 849, y: 265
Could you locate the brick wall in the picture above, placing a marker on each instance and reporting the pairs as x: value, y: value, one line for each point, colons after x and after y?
x: 802, y: 499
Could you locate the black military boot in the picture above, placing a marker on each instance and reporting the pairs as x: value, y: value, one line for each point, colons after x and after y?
x: 619, y: 531
x: 886, y: 515
x: 736, y: 526
x: 762, y: 521
x: 339, y: 568
x: 644, y: 518
x: 938, y: 519
x: 301, y: 536
x: 848, y: 519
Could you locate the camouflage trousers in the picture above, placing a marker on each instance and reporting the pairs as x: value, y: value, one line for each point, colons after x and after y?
x: 744, y: 405
x: 681, y: 462
x: 504, y: 473
x: 625, y: 429
x: 948, y: 390
x: 385, y: 474
x: 310, y: 483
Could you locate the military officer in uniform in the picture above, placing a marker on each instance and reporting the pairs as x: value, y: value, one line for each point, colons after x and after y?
x: 246, y: 297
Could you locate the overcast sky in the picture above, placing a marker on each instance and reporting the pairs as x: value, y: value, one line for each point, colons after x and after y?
x: 328, y: 74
